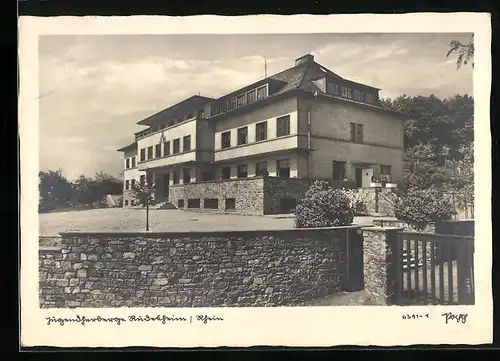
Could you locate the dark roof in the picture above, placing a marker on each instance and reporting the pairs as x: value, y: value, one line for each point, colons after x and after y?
x: 131, y: 145
x: 300, y: 77
x: 185, y: 105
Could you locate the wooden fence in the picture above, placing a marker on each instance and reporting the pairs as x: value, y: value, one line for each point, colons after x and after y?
x: 433, y: 269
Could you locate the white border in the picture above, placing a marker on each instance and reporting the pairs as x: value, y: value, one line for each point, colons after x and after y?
x: 321, y: 326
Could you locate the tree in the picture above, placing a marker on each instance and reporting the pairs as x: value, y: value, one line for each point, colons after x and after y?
x: 143, y: 192
x: 55, y: 190
x: 465, y: 52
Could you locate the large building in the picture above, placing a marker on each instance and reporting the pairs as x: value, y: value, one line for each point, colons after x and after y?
x: 255, y: 149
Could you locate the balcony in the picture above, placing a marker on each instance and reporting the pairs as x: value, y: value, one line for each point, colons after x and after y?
x: 263, y: 147
x: 186, y: 157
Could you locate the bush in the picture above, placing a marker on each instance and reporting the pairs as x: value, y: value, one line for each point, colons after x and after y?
x: 357, y: 200
x: 323, y: 206
x: 419, y: 207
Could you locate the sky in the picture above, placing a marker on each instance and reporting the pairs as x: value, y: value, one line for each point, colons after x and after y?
x: 93, y: 89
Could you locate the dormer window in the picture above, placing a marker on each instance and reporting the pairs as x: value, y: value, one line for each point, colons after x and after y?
x: 252, y: 96
x: 241, y: 100
x: 232, y: 104
x: 346, y: 92
x: 261, y: 92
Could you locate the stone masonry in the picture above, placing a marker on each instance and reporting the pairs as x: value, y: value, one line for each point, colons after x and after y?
x: 247, y: 195
x: 257, y: 268
x: 257, y: 196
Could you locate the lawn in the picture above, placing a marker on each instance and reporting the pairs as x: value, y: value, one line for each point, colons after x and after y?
x: 120, y: 219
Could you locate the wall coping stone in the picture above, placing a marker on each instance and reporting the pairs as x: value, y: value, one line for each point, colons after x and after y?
x: 208, y: 233
x: 382, y: 229
x: 49, y: 249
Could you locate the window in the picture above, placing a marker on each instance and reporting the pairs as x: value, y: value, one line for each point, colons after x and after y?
x: 225, y: 173
x: 356, y: 133
x: 261, y: 169
x: 283, y: 126
x: 211, y: 203
x: 241, y: 100
x: 223, y: 107
x: 127, y: 163
x: 252, y: 96
x: 143, y: 155
x: 143, y: 179
x: 369, y: 98
x: 186, y: 175
x: 242, y: 171
x: 230, y: 204
x: 175, y: 177
x: 346, y: 92
x: 177, y: 146
x: 261, y: 92
x: 232, y: 104
x: 180, y: 203
x: 334, y: 89
x: 339, y: 170
x: 226, y: 140
x: 261, y: 131
x: 243, y: 135
x: 166, y: 148
x: 158, y: 151
x: 126, y: 202
x: 194, y: 203
x: 201, y: 113
x: 132, y: 184
x: 133, y: 162
x: 127, y: 184
x: 283, y: 168
x: 189, y: 116
x: 356, y: 94
x: 385, y: 173
x: 150, y: 152
x: 132, y: 202
x: 186, y: 143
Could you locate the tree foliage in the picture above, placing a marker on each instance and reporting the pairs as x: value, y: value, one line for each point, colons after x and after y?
x: 465, y: 52
x: 57, y: 192
x: 439, y: 142
x: 143, y: 192
x: 419, y: 207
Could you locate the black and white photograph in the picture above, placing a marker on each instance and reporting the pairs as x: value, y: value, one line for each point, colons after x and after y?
x: 257, y: 171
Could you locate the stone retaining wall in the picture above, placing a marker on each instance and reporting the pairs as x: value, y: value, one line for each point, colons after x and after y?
x: 246, y: 193
x: 255, y: 196
x: 203, y: 269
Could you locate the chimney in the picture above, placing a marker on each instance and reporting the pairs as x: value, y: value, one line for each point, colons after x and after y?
x: 306, y: 59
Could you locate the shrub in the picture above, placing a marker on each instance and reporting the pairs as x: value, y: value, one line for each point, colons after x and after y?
x: 323, y: 206
x: 419, y: 207
x: 357, y: 201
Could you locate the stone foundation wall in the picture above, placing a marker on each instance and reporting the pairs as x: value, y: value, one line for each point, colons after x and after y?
x: 247, y: 194
x: 257, y: 196
x: 276, y: 189
x: 271, y: 268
